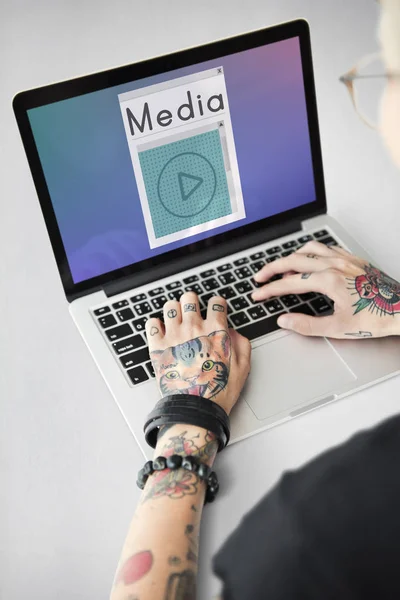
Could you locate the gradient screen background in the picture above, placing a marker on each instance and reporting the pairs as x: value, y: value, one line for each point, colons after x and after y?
x: 85, y: 157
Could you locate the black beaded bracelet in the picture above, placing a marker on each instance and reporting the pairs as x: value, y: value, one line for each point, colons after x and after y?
x: 176, y: 461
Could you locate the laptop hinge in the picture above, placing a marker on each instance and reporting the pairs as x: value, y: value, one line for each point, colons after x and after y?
x: 190, y: 261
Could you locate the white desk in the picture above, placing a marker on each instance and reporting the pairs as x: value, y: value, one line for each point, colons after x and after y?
x: 68, y: 462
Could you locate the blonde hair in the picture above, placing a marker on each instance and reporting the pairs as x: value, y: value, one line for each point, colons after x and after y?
x: 389, y: 34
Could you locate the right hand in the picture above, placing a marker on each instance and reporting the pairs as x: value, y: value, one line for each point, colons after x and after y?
x: 367, y: 301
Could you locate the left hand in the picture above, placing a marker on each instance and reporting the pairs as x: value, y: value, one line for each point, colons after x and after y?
x: 192, y: 355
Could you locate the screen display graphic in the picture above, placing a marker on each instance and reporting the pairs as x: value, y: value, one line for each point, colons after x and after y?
x: 149, y: 166
x: 183, y: 154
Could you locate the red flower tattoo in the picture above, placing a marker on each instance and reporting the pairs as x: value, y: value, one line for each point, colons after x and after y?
x: 378, y: 292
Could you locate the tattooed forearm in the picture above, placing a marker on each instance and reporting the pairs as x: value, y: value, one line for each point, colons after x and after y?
x: 179, y: 483
x: 360, y: 334
x: 174, y: 561
x: 376, y: 291
x: 181, y: 586
x: 136, y: 567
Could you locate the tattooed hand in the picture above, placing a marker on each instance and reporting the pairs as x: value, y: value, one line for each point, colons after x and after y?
x: 192, y: 355
x: 366, y: 300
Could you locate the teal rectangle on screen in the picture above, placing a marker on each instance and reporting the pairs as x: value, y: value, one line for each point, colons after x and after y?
x: 185, y: 183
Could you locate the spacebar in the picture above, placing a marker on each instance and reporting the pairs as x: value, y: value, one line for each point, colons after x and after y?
x: 259, y: 328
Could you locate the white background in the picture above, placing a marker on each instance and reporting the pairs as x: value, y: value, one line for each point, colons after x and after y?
x: 68, y: 462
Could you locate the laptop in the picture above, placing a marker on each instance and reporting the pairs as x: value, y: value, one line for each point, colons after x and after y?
x: 189, y: 172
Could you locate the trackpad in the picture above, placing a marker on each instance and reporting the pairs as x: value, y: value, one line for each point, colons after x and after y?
x: 292, y: 370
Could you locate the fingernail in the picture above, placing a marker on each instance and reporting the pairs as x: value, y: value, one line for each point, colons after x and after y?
x: 284, y: 321
x: 255, y: 296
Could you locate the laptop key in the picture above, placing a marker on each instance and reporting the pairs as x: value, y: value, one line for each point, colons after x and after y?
x: 143, y: 309
x: 138, y: 298
x: 239, y: 303
x: 206, y: 297
x: 140, y: 324
x: 321, y: 234
x: 227, y: 278
x: 304, y: 239
x: 257, y: 266
x: 210, y: 284
x: 120, y: 304
x: 102, y: 311
x: 128, y: 344
x: 259, y: 328
x: 195, y: 287
x: 150, y: 368
x: 115, y: 333
x: 243, y: 287
x: 243, y: 272
x: 125, y: 315
x: 256, y: 283
x: 207, y: 273
x: 239, y: 319
x: 287, y: 253
x: 328, y: 241
x: 137, y: 375
x: 174, y: 285
x: 175, y: 295
x: 304, y: 309
x: 307, y: 296
x: 257, y: 256
x: 135, y: 358
x: 273, y: 250
x: 272, y: 258
x: 158, y: 315
x: 321, y: 305
x: 107, y: 321
x: 223, y: 268
x: 191, y: 279
x: 273, y: 306
x: 159, y: 302
x: 241, y: 261
x: 290, y: 300
x: 227, y: 292
x: 290, y: 244
x: 257, y: 312
x: 250, y: 299
x: 156, y: 291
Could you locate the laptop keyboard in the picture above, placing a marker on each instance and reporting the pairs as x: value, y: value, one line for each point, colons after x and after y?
x: 123, y: 322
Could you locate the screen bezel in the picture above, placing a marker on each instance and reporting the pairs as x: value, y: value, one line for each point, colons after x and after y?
x: 27, y: 100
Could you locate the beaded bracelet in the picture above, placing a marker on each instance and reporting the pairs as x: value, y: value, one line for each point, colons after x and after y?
x: 176, y: 461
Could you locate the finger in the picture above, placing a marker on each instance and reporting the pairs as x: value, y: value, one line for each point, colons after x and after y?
x: 297, y: 262
x: 155, y: 332
x: 342, y: 251
x: 190, y: 307
x: 310, y: 326
x: 217, y: 312
x: 315, y: 248
x: 295, y: 284
x: 172, y: 315
x: 241, y: 347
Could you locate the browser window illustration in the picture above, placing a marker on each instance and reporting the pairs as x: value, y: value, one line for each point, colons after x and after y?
x: 183, y: 154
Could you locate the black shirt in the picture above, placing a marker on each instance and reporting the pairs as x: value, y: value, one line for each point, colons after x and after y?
x: 330, y: 530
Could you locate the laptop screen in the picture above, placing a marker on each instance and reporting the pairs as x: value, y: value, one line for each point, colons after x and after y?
x: 140, y: 169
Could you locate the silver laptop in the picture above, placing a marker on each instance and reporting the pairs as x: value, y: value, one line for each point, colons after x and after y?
x: 190, y: 172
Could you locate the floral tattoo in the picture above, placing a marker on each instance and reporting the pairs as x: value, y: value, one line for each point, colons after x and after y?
x: 377, y: 291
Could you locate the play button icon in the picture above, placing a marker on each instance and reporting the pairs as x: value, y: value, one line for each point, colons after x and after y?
x: 188, y: 184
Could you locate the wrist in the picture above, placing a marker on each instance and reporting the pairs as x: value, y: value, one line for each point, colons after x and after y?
x: 187, y: 440
x: 391, y: 326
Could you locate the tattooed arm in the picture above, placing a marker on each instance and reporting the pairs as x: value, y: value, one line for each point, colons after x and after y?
x: 191, y: 356
x: 366, y: 300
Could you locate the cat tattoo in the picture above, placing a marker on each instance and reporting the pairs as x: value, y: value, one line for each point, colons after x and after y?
x: 199, y: 366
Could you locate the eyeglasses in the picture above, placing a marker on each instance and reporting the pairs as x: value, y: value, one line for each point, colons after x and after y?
x: 365, y: 83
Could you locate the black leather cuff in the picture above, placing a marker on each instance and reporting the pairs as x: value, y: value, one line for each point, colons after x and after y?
x: 189, y: 410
